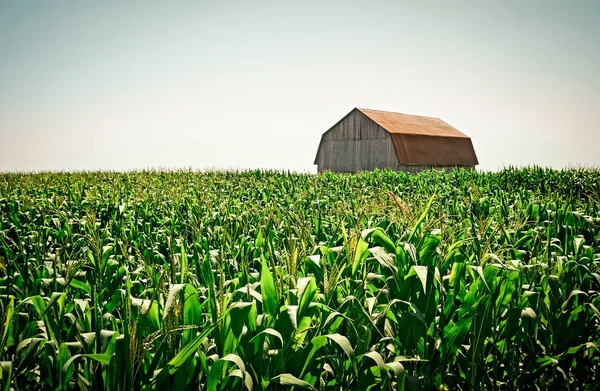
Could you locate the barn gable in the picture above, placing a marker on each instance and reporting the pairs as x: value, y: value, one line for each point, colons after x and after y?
x: 367, y: 139
x: 356, y: 143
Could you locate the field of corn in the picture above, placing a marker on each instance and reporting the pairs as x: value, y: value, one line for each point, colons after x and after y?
x: 270, y: 281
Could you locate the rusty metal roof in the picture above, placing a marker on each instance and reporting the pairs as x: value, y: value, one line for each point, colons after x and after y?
x: 424, y: 140
x: 416, y: 149
x: 397, y: 123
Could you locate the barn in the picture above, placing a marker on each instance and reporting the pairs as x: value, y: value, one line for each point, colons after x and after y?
x: 368, y: 139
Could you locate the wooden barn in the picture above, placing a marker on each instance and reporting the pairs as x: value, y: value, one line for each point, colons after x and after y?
x: 368, y: 139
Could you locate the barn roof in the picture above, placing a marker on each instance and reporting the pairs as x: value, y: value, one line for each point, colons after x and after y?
x: 425, y: 140
x: 397, y: 123
x: 422, y: 140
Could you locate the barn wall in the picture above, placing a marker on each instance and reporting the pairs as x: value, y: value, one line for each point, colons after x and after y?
x: 356, y: 144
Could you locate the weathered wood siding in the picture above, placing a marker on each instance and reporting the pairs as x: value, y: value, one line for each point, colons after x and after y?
x: 356, y: 144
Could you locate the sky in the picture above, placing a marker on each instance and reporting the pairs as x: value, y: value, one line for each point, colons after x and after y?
x: 123, y: 85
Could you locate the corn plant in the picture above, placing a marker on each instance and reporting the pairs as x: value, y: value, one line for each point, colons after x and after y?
x: 265, y: 280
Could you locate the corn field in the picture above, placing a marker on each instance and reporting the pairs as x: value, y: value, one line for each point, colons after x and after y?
x: 261, y: 280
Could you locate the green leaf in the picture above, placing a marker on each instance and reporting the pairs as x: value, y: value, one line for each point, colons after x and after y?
x: 287, y: 379
x: 420, y: 220
x: 38, y: 303
x: 81, y: 285
x: 10, y: 309
x: 190, y: 349
x: 99, y: 357
x: 215, y: 374
x: 245, y: 377
x: 192, y: 312
x: 267, y: 290
x: 454, y: 335
x: 457, y: 273
x: 174, y: 292
x: 421, y: 272
x: 384, y: 258
x: 317, y: 343
x: 185, y: 353
x: 396, y: 367
x: 6, y: 370
x: 379, y: 237
x: 184, y: 264
x: 399, y: 372
x: 307, y: 290
x: 595, y: 310
x: 268, y: 331
x: 376, y: 357
x: 61, y: 358
x: 574, y: 293
x: 233, y: 326
x: 528, y: 313
x: 360, y: 254
x: 343, y: 343
x: 479, y: 271
x: 209, y: 282
x: 545, y: 361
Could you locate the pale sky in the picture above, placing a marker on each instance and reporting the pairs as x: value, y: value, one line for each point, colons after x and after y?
x: 119, y: 85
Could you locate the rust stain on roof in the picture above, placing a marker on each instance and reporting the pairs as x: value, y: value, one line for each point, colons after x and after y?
x: 397, y: 123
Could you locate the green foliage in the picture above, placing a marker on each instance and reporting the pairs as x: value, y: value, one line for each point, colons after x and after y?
x: 266, y: 281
